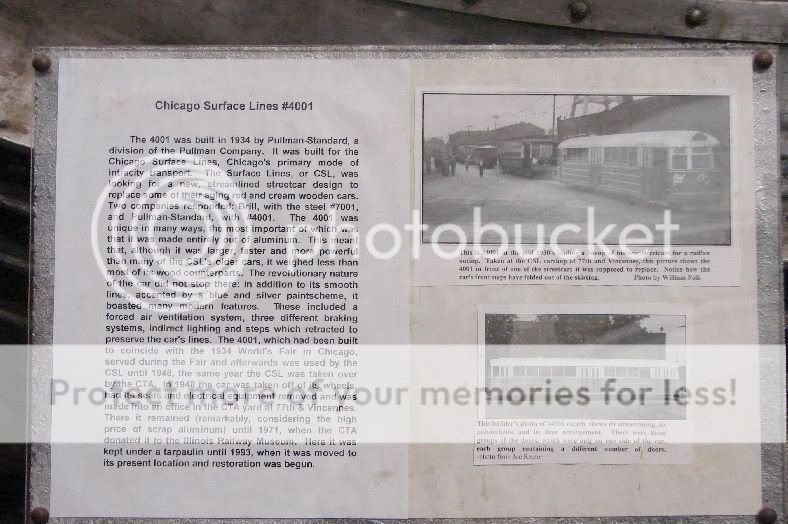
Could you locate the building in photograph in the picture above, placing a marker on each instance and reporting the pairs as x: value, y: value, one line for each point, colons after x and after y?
x: 496, y: 137
x: 707, y: 114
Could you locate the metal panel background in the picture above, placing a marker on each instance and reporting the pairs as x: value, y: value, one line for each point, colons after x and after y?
x: 768, y: 238
x: 760, y: 21
x: 25, y: 24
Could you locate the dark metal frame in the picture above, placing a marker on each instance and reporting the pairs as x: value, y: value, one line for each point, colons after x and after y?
x: 769, y: 241
x: 732, y: 20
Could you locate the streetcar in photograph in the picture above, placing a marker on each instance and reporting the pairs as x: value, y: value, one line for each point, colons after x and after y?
x: 486, y: 156
x: 593, y: 374
x: 464, y: 153
x: 528, y: 157
x: 656, y: 166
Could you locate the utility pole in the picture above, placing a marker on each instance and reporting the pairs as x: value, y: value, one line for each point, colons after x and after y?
x: 552, y: 122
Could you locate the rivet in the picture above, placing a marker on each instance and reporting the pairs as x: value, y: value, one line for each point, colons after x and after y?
x: 41, y: 63
x: 767, y: 516
x: 39, y: 515
x: 578, y: 10
x: 695, y: 16
x: 762, y: 60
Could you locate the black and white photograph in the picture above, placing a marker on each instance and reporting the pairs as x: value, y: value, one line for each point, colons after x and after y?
x: 546, y: 160
x: 583, y: 366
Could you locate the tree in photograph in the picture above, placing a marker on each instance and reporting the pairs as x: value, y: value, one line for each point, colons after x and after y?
x: 598, y: 329
x: 498, y: 328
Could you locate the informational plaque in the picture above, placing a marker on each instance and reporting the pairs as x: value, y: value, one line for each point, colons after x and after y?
x: 405, y: 283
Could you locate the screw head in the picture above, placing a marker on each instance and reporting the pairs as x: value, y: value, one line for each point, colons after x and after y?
x: 762, y: 60
x: 578, y: 10
x: 39, y: 515
x: 767, y: 516
x: 695, y: 16
x: 41, y: 63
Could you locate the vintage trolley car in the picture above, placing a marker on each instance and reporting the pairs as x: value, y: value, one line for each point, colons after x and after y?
x: 592, y: 373
x: 659, y: 166
x: 485, y: 155
x: 529, y: 157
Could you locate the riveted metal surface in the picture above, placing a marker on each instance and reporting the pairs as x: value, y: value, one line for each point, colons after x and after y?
x: 763, y: 60
x: 578, y: 10
x: 41, y: 62
x: 695, y: 16
x: 26, y: 24
x: 39, y: 515
x: 768, y: 239
x: 749, y: 21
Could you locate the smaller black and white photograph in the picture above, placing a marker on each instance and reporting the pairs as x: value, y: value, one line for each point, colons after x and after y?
x: 546, y: 160
x: 583, y: 366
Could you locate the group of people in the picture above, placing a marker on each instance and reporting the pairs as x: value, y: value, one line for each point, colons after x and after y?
x: 446, y: 164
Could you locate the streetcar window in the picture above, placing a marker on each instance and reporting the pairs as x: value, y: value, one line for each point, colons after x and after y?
x: 512, y: 150
x: 595, y: 155
x: 558, y: 371
x: 610, y: 372
x: 495, y: 371
x: 629, y: 156
x: 570, y: 371
x: 518, y: 371
x: 701, y: 157
x: 648, y: 157
x: 576, y: 154
x: 678, y: 159
x: 532, y: 371
x: 542, y: 151
x: 633, y: 372
x: 544, y: 371
x: 644, y: 373
x: 625, y: 156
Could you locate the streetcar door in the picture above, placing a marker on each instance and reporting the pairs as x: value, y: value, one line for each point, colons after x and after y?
x: 660, y: 174
x: 526, y: 159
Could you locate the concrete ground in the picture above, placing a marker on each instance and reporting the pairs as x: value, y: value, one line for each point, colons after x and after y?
x: 510, y: 199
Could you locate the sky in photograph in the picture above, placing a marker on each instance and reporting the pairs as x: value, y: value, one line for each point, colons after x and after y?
x: 446, y: 113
